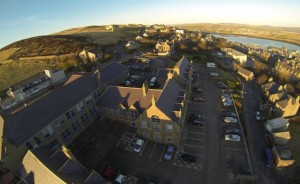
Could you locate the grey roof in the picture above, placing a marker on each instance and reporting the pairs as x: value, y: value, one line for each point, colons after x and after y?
x: 114, y: 95
x: 111, y: 71
x: 30, y: 81
x: 170, y: 98
x: 24, y: 124
x: 184, y: 66
x: 59, y: 164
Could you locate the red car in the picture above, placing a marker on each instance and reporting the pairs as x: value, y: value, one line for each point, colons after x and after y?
x: 198, y: 99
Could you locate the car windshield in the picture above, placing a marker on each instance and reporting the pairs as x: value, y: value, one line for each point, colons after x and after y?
x: 136, y: 146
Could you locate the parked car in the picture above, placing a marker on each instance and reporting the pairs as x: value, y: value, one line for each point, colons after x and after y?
x: 230, y: 120
x: 229, y: 114
x: 169, y: 152
x: 188, y: 158
x: 258, y: 116
x: 198, y: 99
x: 120, y: 179
x: 231, y: 130
x: 196, y: 119
x: 109, y: 173
x: 269, y: 158
x: 232, y: 137
x: 138, y: 145
x: 215, y: 74
x: 198, y: 90
x: 197, y: 116
x: 222, y: 85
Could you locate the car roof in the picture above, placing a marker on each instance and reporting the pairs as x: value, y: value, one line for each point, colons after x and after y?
x: 139, y: 141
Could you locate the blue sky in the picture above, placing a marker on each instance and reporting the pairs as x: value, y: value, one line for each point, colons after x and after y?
x: 21, y: 19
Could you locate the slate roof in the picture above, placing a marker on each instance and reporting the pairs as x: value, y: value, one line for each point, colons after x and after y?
x: 109, y: 72
x: 24, y: 124
x: 169, y: 99
x: 183, y: 66
x: 114, y: 95
x: 63, y: 167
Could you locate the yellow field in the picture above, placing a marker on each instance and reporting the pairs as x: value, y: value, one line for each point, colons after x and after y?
x: 4, y: 55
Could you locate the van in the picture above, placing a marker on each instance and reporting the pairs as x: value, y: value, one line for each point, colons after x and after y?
x: 269, y: 158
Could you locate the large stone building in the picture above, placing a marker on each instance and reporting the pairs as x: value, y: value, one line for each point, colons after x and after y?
x: 242, y: 58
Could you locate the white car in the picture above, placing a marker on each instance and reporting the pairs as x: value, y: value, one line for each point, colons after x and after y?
x: 258, y: 116
x: 230, y: 120
x: 138, y: 145
x: 232, y: 137
x: 120, y: 179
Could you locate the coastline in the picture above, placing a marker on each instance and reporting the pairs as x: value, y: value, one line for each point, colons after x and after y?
x: 274, y: 39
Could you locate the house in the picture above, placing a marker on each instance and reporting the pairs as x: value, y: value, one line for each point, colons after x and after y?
x: 289, y: 107
x: 46, y: 165
x: 113, y: 74
x: 278, y: 97
x: 270, y: 88
x: 164, y: 48
x: 145, y: 35
x: 158, y: 26
x: 138, y: 38
x: 242, y: 58
x: 158, y: 114
x: 277, y: 125
x: 179, y: 31
x: 92, y: 54
x: 283, y: 156
x: 281, y: 138
x: 131, y: 45
x: 246, y: 74
x: 112, y: 28
x: 21, y: 92
x: 53, y: 120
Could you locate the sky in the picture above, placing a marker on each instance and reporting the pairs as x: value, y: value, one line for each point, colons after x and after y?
x: 20, y: 19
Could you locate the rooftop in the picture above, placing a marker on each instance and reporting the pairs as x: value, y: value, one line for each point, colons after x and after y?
x: 108, y: 73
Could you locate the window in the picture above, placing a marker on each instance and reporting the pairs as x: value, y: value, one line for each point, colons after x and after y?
x: 145, y: 135
x: 92, y: 111
x: 80, y: 106
x: 60, y: 124
x: 169, y: 140
x: 84, y: 118
x: 144, y: 124
x: 70, y: 114
x: 75, y: 125
x: 122, y: 112
x: 157, y: 137
x: 29, y: 146
x: 88, y: 100
x: 155, y: 123
x: 37, y: 140
x: 169, y: 128
x: 54, y: 143
x: 66, y: 134
x: 134, y: 114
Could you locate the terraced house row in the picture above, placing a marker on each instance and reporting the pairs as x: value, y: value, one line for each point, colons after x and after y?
x: 53, y: 121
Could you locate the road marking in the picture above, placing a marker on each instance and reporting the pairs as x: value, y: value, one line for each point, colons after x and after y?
x: 198, y: 155
x: 143, y: 147
x: 235, y: 149
x: 202, y: 147
x: 162, y: 153
x: 195, y: 139
x: 197, y: 132
x: 235, y: 157
x: 152, y: 150
x: 124, y: 135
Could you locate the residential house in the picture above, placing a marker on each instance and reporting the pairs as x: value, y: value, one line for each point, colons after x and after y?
x: 246, y: 74
x: 138, y: 38
x: 92, y: 54
x: 270, y: 88
x: 113, y: 74
x: 289, y: 68
x: 180, y: 31
x: 55, y: 119
x: 131, y: 45
x: 289, y: 107
x: 112, y: 28
x: 242, y: 58
x: 46, y: 165
x: 278, y: 97
x: 158, y: 26
x: 164, y: 48
x: 21, y: 92
x: 282, y: 156
x: 145, y: 35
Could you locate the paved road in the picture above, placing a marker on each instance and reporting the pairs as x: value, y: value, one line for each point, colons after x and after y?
x: 255, y: 135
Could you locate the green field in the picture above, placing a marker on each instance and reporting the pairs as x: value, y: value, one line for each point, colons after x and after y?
x: 4, y: 55
x: 14, y: 72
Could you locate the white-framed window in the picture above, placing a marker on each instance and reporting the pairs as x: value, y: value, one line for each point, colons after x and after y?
x: 80, y: 106
x: 88, y: 100
x: 75, y: 126
x: 157, y: 137
x: 144, y: 124
x: 169, y: 128
x: 66, y: 134
x: 70, y: 114
x: 169, y: 140
x: 84, y: 118
x: 155, y: 123
x: 60, y: 123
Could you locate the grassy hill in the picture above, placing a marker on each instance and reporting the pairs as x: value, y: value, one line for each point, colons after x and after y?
x: 25, y: 58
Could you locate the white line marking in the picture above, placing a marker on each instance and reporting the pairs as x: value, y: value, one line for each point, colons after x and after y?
x: 121, y: 139
x: 152, y: 151
x: 162, y: 153
x: 143, y: 147
x: 199, y: 155
x: 200, y: 127
x: 195, y: 139
x: 197, y: 132
x: 235, y: 149
x: 202, y: 147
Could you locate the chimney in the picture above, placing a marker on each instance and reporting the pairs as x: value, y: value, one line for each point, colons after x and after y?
x: 153, y: 101
x: 170, y: 75
x: 145, y: 89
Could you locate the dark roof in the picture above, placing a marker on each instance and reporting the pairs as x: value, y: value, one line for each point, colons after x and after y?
x: 127, y: 96
x: 183, y: 66
x: 29, y: 81
x: 111, y: 71
x: 170, y: 98
x: 24, y: 124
